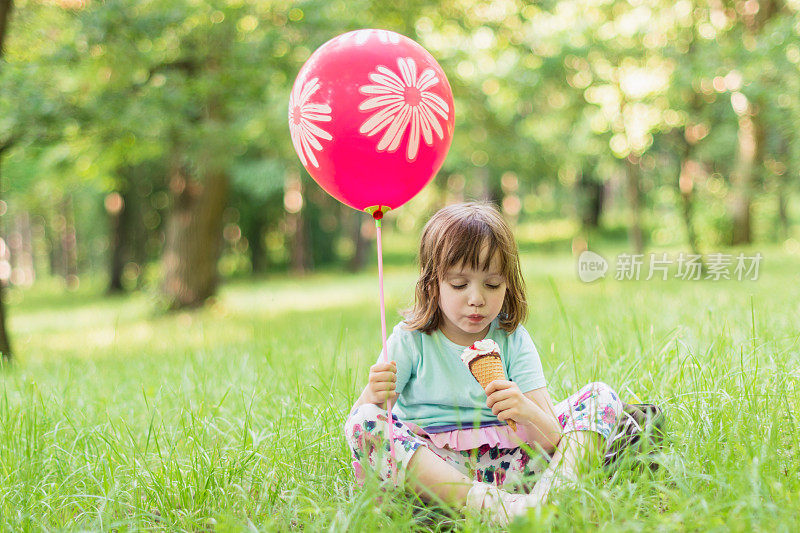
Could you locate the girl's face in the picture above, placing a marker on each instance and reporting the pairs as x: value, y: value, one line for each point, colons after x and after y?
x: 470, y: 299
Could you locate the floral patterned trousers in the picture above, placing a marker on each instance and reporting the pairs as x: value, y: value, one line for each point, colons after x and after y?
x: 595, y: 407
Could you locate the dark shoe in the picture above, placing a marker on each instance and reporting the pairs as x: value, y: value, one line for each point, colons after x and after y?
x: 640, y: 431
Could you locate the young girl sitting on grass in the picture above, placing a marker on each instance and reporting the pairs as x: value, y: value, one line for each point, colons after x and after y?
x: 451, y: 439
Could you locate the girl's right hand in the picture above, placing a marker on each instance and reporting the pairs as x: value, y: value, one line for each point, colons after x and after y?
x: 381, y: 385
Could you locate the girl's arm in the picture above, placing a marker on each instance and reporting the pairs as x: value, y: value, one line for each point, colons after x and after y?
x: 546, y: 431
x: 534, y: 409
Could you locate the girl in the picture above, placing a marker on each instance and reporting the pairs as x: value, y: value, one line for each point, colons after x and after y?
x: 451, y: 438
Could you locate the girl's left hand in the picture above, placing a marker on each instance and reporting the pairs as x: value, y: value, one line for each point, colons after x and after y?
x: 506, y: 401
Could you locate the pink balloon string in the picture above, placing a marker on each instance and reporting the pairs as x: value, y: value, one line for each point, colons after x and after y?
x: 389, y: 421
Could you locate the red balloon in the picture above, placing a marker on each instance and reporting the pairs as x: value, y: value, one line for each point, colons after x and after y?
x: 371, y: 117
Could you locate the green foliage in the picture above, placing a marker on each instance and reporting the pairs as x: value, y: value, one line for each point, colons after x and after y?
x: 262, y: 178
x: 554, y: 95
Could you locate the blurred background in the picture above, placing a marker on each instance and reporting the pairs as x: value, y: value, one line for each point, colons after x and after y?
x: 144, y: 144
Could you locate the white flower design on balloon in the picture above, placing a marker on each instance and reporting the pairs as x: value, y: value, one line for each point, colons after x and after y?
x: 302, y: 116
x: 360, y: 37
x: 403, y: 101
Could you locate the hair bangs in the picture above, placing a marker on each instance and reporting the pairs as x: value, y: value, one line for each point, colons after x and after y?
x: 466, y: 243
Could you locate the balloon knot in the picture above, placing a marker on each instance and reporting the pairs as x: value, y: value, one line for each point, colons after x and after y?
x: 377, y: 214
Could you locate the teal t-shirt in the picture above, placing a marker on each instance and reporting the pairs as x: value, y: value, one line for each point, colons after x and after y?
x: 436, y: 389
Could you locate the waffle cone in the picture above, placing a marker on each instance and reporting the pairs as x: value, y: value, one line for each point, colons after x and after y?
x: 487, y: 368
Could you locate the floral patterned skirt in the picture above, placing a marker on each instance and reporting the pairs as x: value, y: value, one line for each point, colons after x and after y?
x: 595, y: 407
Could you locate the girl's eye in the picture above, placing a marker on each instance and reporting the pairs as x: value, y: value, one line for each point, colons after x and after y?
x: 458, y: 287
x: 493, y: 286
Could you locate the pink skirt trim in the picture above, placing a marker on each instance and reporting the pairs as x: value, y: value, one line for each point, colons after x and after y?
x: 469, y: 439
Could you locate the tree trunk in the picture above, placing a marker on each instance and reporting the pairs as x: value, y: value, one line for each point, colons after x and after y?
x: 119, y: 220
x: 194, y: 230
x: 300, y: 258
x: 750, y: 145
x: 69, y: 243
x: 590, y: 201
x: 686, y: 180
x: 781, y: 176
x: 5, y: 341
x: 139, y: 233
x: 783, y: 211
x: 634, y: 196
x: 687, y: 173
x: 254, y: 232
x: 128, y: 232
x: 21, y: 247
x: 54, y: 248
x: 300, y: 253
x: 749, y: 154
x: 362, y: 245
x: 193, y: 236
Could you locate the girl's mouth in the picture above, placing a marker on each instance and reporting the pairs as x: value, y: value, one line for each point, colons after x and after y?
x: 475, y: 318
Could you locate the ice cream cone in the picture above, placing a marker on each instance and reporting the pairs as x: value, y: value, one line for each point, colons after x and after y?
x: 486, y: 366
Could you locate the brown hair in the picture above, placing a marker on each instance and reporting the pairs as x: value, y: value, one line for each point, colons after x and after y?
x: 455, y: 236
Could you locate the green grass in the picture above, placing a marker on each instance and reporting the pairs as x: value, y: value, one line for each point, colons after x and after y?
x: 230, y: 418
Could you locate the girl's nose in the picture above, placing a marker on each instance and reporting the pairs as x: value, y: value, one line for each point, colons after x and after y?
x: 475, y: 297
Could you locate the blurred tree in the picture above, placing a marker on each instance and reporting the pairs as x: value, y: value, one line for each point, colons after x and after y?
x: 193, y: 234
x: 159, y: 111
x: 133, y: 221
x: 257, y: 192
x: 183, y: 87
x: 119, y: 211
x: 52, y: 167
x: 753, y: 18
x: 683, y: 134
x: 731, y: 78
